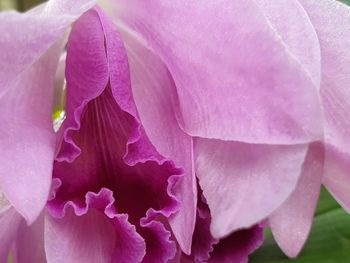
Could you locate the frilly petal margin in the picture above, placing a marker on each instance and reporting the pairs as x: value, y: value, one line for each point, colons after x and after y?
x: 242, y: 183
x: 331, y: 21
x: 292, y: 221
x: 95, y: 230
x: 153, y: 88
x: 121, y: 158
x: 238, y: 246
x: 28, y: 61
x: 236, y: 76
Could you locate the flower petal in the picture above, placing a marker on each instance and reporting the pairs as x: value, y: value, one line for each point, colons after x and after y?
x: 244, y: 183
x: 238, y: 246
x: 38, y: 31
x: 291, y: 222
x: 234, y: 248
x: 159, y: 247
x: 291, y: 22
x: 28, y: 61
x: 234, y: 76
x: 27, y: 141
x: 152, y: 89
x: 9, y: 222
x: 105, y: 144
x: 29, y: 246
x: 331, y: 20
x: 92, y: 232
x: 203, y: 242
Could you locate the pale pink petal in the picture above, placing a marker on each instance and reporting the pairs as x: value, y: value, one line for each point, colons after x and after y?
x: 336, y: 175
x: 27, y: 141
x: 291, y: 222
x: 331, y: 20
x: 235, y: 78
x: 9, y: 222
x: 40, y: 29
x: 153, y: 88
x: 28, y: 61
x: 290, y: 21
x: 29, y: 245
x: 244, y: 183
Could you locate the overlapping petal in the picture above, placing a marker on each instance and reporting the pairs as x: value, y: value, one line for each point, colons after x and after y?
x: 39, y: 31
x: 292, y: 221
x: 105, y: 145
x: 27, y: 139
x: 236, y: 77
x: 8, y: 234
x: 153, y: 89
x: 331, y: 19
x: 234, y: 248
x: 28, y: 63
x: 92, y: 231
x: 244, y: 183
x: 29, y: 245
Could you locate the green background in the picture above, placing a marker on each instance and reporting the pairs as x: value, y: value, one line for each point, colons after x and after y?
x: 329, y: 241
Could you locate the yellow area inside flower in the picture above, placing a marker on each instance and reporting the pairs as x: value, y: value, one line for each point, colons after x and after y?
x: 10, y: 258
x: 59, y: 110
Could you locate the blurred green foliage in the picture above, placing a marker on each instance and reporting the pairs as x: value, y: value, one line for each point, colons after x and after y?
x: 329, y: 240
x: 20, y: 5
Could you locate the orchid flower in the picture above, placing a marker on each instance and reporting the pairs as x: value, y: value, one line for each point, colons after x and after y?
x: 164, y: 93
x: 256, y: 93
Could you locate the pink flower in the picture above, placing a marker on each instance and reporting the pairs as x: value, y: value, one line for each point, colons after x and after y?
x: 250, y: 97
x: 247, y: 96
x: 30, y: 45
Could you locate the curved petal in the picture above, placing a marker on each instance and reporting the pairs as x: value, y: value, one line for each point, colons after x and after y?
x: 159, y: 247
x: 27, y: 141
x: 88, y: 238
x: 153, y: 88
x: 9, y: 222
x: 38, y: 31
x: 331, y: 20
x: 244, y: 183
x: 336, y: 175
x: 29, y: 245
x: 235, y: 78
x: 104, y: 142
x: 290, y: 21
x: 234, y: 248
x: 203, y: 242
x: 28, y: 61
x: 92, y: 232
x: 292, y: 221
x: 238, y: 246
